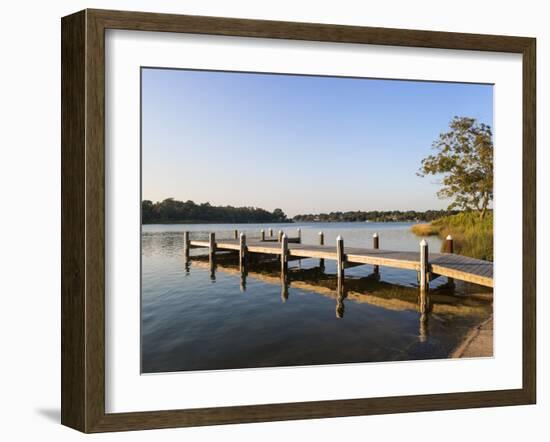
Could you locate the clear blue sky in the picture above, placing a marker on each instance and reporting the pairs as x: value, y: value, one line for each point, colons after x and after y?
x: 302, y: 143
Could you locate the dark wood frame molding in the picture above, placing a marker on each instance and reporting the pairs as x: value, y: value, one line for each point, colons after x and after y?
x: 83, y: 217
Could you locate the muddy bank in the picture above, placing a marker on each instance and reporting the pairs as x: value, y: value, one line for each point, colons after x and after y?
x: 477, y: 343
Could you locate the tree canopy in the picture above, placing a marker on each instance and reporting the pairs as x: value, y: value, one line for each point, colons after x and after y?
x: 174, y: 211
x: 464, y: 159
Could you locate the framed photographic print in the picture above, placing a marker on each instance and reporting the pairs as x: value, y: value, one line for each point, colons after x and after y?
x: 271, y: 220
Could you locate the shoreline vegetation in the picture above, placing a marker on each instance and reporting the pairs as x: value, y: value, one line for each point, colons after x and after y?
x: 376, y: 216
x: 472, y: 235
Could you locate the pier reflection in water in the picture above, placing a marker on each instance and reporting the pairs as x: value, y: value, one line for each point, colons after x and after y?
x: 369, y: 289
x: 205, y: 312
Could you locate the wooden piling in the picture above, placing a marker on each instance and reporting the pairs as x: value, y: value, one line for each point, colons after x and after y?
x: 212, y: 246
x: 212, y: 255
x: 186, y: 245
x: 340, y: 256
x: 449, y: 244
x: 450, y: 248
x: 242, y: 251
x: 322, y: 243
x: 262, y: 235
x: 375, y: 245
x: 424, y: 266
x: 284, y: 254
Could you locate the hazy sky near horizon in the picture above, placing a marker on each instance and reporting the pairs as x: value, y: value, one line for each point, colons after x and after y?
x: 305, y: 144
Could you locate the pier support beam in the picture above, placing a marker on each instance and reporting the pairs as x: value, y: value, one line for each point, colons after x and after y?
x: 340, y: 256
x: 322, y: 243
x: 212, y: 255
x: 242, y: 252
x: 186, y: 246
x: 376, y: 245
x: 284, y: 254
x: 424, y: 266
x: 450, y: 248
x: 212, y: 245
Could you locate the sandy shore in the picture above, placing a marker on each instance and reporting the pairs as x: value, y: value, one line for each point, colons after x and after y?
x: 477, y: 343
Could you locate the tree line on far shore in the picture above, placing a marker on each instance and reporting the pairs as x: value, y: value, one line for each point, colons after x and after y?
x: 174, y: 211
x: 375, y: 216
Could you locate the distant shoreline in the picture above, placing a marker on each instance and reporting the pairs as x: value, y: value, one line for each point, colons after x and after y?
x: 217, y: 222
x: 277, y: 222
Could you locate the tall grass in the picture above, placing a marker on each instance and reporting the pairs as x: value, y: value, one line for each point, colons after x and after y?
x: 472, y: 237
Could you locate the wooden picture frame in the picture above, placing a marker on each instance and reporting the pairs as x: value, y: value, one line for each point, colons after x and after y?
x: 83, y: 220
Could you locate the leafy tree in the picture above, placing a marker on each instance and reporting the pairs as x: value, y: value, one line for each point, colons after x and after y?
x: 465, y: 159
x: 279, y: 215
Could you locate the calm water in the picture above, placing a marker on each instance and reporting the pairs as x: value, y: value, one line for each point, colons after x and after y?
x: 194, y: 318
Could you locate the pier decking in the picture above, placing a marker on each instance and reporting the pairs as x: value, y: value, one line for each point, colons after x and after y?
x: 429, y: 264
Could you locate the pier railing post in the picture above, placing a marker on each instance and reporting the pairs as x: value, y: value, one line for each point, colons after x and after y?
x: 375, y: 245
x: 242, y: 251
x: 424, y: 266
x: 284, y: 254
x: 340, y: 256
x: 262, y: 235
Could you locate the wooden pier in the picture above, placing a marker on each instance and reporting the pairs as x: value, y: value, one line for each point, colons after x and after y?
x: 427, y: 264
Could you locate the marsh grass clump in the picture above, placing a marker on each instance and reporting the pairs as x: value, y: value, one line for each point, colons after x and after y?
x: 424, y: 229
x: 472, y: 236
